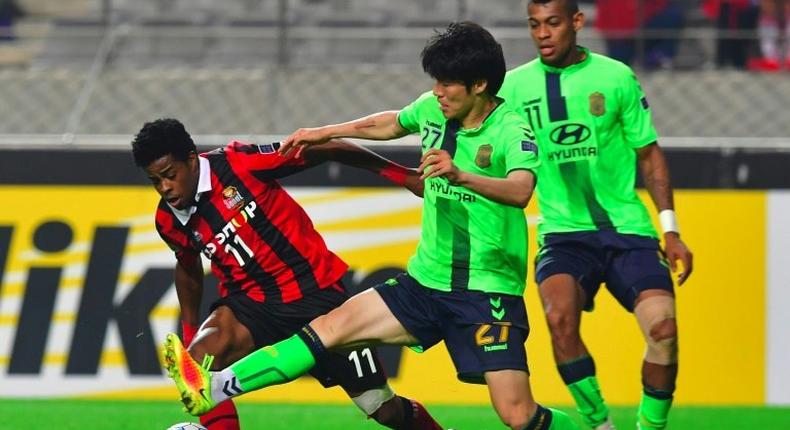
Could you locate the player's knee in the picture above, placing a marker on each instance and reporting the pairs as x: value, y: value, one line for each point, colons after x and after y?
x: 664, y: 330
x: 326, y: 327
x: 562, y: 326
x: 335, y: 327
x: 656, y: 316
x: 663, y: 344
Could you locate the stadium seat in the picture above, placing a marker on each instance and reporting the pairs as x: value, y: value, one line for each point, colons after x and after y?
x: 246, y: 42
x: 404, y: 51
x: 348, y: 38
x: 72, y: 42
x: 168, y: 40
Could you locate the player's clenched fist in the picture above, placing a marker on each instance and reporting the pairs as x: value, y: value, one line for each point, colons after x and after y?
x: 437, y: 162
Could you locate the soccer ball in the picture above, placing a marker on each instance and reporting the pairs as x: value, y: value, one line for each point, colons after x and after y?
x: 186, y: 426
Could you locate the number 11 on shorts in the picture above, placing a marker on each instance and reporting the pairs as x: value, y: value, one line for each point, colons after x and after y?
x: 357, y: 361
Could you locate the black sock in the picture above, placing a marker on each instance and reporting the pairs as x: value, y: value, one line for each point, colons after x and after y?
x: 394, y: 418
x: 408, y: 412
x: 576, y: 370
x: 311, y: 339
x: 541, y: 420
x: 657, y: 393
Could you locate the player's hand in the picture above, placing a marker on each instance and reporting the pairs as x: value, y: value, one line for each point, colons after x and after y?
x: 436, y: 163
x: 414, y: 183
x: 676, y: 250
x: 295, y: 143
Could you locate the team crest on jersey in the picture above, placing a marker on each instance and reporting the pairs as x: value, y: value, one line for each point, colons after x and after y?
x: 233, y: 200
x: 597, y: 104
x: 529, y: 146
x: 197, y: 236
x: 483, y: 157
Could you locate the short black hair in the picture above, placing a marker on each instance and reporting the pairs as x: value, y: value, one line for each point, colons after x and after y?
x: 165, y: 136
x: 465, y: 52
x: 571, y: 6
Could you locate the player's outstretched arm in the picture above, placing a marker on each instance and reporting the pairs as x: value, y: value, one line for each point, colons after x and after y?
x: 655, y: 173
x: 189, y: 288
x: 355, y: 155
x: 379, y: 126
x: 514, y: 190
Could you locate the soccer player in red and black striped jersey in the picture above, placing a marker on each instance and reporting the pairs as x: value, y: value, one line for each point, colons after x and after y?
x: 275, y: 272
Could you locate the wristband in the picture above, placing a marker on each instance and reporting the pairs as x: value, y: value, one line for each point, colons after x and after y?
x: 669, y: 221
x: 188, y: 332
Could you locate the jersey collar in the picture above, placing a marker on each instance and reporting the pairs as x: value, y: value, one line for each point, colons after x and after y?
x: 573, y: 67
x: 487, y: 120
x: 204, y: 185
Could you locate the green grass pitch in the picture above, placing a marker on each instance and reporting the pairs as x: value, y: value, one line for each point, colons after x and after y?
x: 157, y: 415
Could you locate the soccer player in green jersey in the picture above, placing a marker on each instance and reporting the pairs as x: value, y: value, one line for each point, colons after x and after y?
x: 593, y: 126
x: 465, y: 282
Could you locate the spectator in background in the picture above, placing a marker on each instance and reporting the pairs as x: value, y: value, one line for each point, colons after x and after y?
x: 9, y: 12
x: 619, y: 21
x: 773, y: 30
x: 733, y: 15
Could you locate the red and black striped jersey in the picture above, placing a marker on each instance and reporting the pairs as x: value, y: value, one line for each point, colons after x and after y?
x: 260, y: 241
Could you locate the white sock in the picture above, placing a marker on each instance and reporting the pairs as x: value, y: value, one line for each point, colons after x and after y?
x: 224, y: 385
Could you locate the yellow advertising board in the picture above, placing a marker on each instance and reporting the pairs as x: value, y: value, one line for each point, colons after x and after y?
x: 86, y: 297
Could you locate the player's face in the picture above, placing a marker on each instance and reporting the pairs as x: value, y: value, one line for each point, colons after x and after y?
x: 455, y: 99
x: 553, y: 31
x: 175, y: 180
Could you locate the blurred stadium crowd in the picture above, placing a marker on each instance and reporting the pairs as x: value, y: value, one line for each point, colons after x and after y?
x: 77, y: 67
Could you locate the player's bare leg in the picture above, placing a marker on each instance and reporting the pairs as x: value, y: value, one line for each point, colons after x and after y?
x: 655, y: 311
x: 563, y: 300
x: 364, y: 318
x: 511, y: 396
x: 229, y: 340
x: 223, y: 337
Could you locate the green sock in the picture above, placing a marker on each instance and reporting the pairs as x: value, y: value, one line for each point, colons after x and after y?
x: 589, y: 401
x: 561, y: 421
x: 276, y: 364
x: 653, y: 411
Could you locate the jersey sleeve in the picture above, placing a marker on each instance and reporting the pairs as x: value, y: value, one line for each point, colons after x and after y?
x: 263, y: 160
x: 521, y: 148
x: 409, y: 116
x: 178, y: 242
x: 636, y: 118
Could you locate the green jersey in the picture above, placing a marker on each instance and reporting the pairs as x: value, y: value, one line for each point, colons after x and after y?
x: 589, y: 119
x: 469, y: 241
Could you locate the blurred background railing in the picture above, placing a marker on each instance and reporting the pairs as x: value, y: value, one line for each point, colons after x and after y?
x: 711, y: 68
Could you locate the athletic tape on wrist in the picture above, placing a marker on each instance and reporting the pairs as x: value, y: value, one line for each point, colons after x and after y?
x: 669, y: 221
